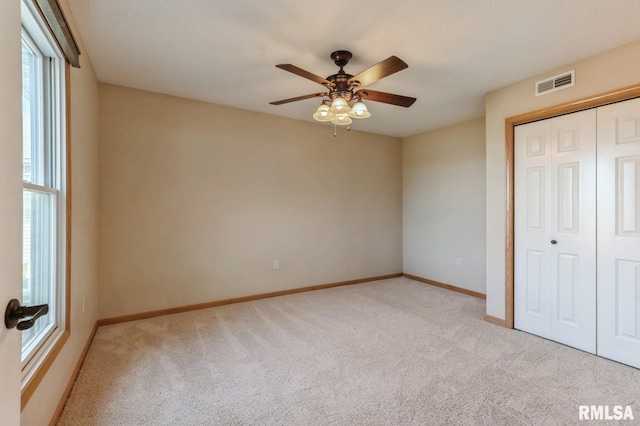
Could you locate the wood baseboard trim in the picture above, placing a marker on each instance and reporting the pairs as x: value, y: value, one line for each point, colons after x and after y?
x: 496, y: 321
x: 180, y: 309
x: 74, y: 376
x: 447, y: 286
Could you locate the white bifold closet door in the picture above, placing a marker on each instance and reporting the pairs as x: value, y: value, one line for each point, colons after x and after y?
x: 619, y: 232
x: 555, y: 229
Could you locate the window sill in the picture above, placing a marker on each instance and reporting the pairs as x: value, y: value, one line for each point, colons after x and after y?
x: 41, y: 370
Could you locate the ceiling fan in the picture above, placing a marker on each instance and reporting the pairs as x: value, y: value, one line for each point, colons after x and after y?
x: 344, y: 88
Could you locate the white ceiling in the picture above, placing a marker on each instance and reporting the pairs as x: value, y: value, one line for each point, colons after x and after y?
x: 224, y: 51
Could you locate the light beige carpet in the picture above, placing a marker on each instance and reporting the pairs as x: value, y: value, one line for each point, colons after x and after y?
x: 393, y: 352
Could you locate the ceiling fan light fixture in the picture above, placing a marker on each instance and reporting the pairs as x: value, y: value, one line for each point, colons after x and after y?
x: 323, y: 113
x: 345, y: 90
x: 359, y: 110
x: 340, y: 106
x: 342, y: 120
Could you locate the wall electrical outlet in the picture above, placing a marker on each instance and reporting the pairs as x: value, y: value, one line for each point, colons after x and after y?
x: 458, y: 262
x: 276, y: 265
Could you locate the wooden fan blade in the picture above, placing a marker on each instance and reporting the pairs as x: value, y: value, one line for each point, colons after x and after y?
x: 387, y: 98
x: 299, y: 98
x: 305, y: 74
x: 389, y: 66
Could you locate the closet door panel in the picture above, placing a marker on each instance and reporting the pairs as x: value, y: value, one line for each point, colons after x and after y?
x: 619, y: 232
x: 532, y: 254
x: 573, y: 283
x: 554, y: 247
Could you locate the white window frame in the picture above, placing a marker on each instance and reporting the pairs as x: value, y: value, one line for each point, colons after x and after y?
x: 53, y: 117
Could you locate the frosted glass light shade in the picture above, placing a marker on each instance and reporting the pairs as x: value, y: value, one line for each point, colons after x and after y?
x: 323, y: 113
x: 342, y: 120
x: 340, y: 106
x: 359, y: 110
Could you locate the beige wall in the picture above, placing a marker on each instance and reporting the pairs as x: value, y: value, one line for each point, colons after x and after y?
x: 197, y: 200
x: 605, y: 72
x: 444, y: 205
x: 84, y: 238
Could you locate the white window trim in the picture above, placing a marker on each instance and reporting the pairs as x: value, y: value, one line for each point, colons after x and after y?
x: 40, y: 34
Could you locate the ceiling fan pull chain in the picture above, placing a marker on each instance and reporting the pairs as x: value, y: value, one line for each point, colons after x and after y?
x: 335, y: 130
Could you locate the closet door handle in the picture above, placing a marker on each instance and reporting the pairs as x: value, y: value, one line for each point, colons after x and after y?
x: 554, y: 242
x: 15, y: 315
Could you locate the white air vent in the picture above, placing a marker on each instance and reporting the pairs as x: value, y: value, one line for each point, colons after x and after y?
x: 558, y: 82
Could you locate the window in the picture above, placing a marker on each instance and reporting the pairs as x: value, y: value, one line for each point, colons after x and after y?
x: 44, y: 188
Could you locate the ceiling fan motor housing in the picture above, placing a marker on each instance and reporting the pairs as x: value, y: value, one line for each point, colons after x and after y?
x: 341, y: 85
